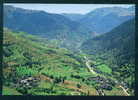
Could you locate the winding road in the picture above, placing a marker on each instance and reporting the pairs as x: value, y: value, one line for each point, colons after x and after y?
x: 100, y: 92
x: 93, y: 72
x: 89, y: 66
x: 125, y: 91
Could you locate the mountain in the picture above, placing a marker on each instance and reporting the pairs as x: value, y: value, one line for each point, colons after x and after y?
x: 120, y: 41
x: 74, y: 17
x: 52, y: 26
x: 117, y: 49
x: 69, y: 29
x: 102, y: 20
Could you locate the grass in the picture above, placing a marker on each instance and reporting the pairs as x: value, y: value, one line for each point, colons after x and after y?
x: 115, y: 92
x: 104, y: 68
x: 54, y: 64
x: 10, y: 91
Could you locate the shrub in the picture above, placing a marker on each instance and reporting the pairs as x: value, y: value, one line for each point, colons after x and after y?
x: 23, y: 71
x: 78, y: 86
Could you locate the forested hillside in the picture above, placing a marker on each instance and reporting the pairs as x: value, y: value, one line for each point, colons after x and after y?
x: 70, y: 30
x: 51, y: 26
x: 117, y: 49
x: 74, y: 17
x: 120, y: 41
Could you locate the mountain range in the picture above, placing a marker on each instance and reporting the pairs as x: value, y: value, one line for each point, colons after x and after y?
x: 51, y: 26
x: 70, y: 29
x: 102, y: 20
x: 74, y: 17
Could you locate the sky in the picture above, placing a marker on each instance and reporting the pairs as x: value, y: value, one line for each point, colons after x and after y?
x: 67, y: 8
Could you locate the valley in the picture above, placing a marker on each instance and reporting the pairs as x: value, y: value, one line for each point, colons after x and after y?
x: 60, y: 76
x: 63, y: 54
x: 68, y: 76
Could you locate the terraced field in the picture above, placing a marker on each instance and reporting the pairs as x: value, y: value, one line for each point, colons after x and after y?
x: 34, y: 67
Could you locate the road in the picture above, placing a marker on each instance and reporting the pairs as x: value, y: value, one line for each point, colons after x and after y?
x: 93, y: 72
x: 89, y: 66
x: 100, y: 92
x: 125, y: 91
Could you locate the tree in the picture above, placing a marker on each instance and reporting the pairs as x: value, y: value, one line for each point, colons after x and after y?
x: 78, y: 86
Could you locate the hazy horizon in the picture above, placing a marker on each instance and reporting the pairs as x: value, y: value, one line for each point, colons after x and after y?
x: 67, y: 8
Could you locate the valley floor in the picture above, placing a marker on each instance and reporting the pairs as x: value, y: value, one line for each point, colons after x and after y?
x: 93, y: 72
x: 42, y: 69
x: 72, y: 85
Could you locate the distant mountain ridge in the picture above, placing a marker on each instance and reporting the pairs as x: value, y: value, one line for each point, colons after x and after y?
x: 47, y: 20
x: 74, y: 17
x: 51, y: 26
x: 70, y: 29
x: 102, y: 20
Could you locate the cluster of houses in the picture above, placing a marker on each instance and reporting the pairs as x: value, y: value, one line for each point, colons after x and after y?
x: 28, y: 82
x: 104, y: 82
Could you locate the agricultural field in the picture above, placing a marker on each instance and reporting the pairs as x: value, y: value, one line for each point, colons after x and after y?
x: 56, y: 53
x: 42, y: 70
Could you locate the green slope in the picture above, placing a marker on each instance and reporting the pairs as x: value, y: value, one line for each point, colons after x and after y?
x: 34, y: 66
x: 26, y: 55
x: 117, y: 50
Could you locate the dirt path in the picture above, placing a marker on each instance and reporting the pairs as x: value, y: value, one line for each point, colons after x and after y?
x: 89, y: 66
x: 100, y: 92
x: 125, y: 91
x: 91, y: 70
